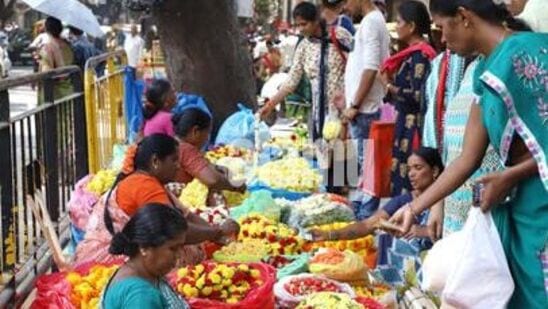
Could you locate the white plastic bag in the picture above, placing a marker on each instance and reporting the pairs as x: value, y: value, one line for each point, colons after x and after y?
x: 480, y: 278
x: 439, y: 262
x: 333, y: 126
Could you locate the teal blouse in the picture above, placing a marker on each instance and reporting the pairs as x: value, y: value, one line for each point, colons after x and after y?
x: 135, y: 292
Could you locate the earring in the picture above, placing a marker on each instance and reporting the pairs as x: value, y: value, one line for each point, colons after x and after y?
x: 466, y: 24
x: 143, y: 252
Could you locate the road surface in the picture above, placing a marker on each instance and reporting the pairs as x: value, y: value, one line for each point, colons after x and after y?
x: 22, y: 98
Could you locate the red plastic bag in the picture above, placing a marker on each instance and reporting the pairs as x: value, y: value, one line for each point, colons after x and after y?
x: 53, y: 291
x: 259, y: 298
x: 378, y: 159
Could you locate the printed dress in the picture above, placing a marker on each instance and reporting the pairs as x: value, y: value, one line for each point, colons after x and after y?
x: 411, y: 106
x: 459, y: 202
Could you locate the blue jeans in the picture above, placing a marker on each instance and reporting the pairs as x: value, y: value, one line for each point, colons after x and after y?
x: 365, y: 205
x: 359, y: 130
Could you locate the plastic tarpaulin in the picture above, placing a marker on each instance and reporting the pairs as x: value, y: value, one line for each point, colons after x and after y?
x: 133, y: 98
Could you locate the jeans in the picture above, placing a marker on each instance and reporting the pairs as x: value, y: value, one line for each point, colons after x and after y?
x: 359, y: 130
x: 365, y: 205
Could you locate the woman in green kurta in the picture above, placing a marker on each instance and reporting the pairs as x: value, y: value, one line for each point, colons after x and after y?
x: 511, y: 84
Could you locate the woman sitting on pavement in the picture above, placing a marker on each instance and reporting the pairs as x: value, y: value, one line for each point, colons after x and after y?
x: 424, y: 167
x: 152, y: 240
x: 148, y: 167
x: 193, y: 128
x: 160, y: 99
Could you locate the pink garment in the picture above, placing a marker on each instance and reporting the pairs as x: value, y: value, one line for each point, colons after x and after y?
x: 159, y: 123
x: 94, y: 247
x: 81, y: 203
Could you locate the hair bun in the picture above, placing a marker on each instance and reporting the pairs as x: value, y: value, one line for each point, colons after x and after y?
x: 122, y: 245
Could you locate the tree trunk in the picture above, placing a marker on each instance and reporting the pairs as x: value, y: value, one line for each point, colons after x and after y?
x: 205, y: 54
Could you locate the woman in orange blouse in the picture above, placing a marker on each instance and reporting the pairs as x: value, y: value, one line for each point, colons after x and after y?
x: 149, y: 166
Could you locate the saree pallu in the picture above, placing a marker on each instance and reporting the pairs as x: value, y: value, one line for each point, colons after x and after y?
x: 94, y: 247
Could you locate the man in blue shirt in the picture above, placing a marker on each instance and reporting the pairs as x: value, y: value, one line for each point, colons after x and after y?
x: 83, y: 49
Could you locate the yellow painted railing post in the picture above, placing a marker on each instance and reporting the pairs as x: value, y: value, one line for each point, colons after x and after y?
x: 105, y: 112
x: 91, y: 119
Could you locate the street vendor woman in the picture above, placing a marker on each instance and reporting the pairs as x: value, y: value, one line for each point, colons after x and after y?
x: 425, y: 165
x: 148, y: 167
x: 152, y: 240
x: 193, y: 128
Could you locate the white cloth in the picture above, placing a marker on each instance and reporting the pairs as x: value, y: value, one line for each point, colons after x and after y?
x: 371, y: 48
x: 288, y: 43
x: 535, y: 14
x: 133, y: 45
x: 39, y: 41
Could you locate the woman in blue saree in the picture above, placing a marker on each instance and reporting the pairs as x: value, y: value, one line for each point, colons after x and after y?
x: 511, y: 115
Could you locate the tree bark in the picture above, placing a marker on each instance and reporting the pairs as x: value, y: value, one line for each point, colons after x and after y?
x: 205, y: 54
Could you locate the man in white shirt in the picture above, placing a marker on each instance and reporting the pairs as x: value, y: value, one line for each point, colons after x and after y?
x: 133, y: 45
x: 364, y: 91
x: 363, y: 88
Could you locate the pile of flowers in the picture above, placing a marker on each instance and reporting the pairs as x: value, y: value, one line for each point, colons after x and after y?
x: 292, y: 174
x: 102, y: 181
x: 278, y: 261
x: 281, y: 239
x: 86, y: 290
x: 213, y: 215
x: 252, y: 250
x: 221, y: 151
x: 329, y: 300
x: 220, y: 282
x: 319, y: 209
x: 374, y: 291
x: 364, y: 246
x: 194, y: 195
x: 304, y: 286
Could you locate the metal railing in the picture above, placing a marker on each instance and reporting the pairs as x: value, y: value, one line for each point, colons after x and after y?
x: 104, y: 92
x: 42, y: 150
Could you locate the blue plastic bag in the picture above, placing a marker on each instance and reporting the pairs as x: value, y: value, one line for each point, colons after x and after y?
x: 133, y: 97
x: 239, y: 129
x: 277, y: 193
x: 187, y: 100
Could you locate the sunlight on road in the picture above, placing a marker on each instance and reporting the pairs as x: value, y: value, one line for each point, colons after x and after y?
x: 22, y: 98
